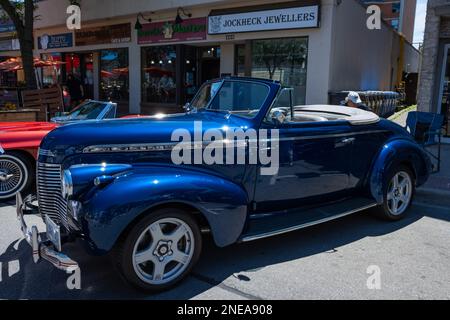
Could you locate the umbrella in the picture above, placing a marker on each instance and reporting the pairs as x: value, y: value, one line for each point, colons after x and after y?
x: 14, y: 64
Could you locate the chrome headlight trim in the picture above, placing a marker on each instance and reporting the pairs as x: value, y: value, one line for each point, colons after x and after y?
x: 45, y: 153
x: 67, y: 184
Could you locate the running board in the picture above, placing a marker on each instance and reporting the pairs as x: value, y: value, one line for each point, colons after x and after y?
x: 263, y: 226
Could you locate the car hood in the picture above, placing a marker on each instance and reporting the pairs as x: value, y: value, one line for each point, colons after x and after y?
x: 73, y: 138
x: 26, y: 126
x: 24, y: 135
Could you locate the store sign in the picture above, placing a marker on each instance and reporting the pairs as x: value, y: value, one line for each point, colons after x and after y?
x: 9, y: 45
x: 286, y: 18
x: 118, y: 33
x: 166, y: 32
x: 64, y: 40
x: 6, y: 25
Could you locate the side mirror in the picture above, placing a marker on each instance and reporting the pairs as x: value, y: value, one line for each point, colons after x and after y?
x: 278, y: 117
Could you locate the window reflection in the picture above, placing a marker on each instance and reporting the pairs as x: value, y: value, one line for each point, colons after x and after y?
x: 284, y: 60
x: 114, y: 78
x: 159, y: 76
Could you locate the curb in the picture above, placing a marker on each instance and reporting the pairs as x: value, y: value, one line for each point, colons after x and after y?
x: 431, y: 191
x: 433, y: 196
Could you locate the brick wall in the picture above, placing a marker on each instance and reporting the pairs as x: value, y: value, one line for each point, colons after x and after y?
x: 444, y: 31
x: 429, y: 59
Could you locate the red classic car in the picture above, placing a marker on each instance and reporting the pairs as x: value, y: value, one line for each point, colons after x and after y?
x: 19, y: 144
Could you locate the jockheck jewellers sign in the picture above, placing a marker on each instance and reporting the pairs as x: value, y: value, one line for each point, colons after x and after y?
x: 286, y: 18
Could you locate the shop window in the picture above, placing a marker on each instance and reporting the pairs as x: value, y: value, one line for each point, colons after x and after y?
x: 159, y: 74
x: 284, y: 60
x: 240, y: 60
x: 190, y: 69
x: 114, y: 75
x: 51, y: 75
x: 210, y: 52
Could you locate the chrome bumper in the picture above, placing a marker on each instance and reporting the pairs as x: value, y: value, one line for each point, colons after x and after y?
x: 42, y: 248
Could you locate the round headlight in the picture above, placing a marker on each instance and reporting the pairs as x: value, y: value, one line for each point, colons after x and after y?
x: 67, y: 184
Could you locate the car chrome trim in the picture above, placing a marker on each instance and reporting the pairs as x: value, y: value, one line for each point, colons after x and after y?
x: 2, y: 151
x: 40, y: 247
x: 115, y: 148
x: 45, y: 153
x: 129, y: 147
x: 305, y: 225
x: 335, y: 135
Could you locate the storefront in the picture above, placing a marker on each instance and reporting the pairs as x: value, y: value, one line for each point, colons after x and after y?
x: 9, y: 49
x: 158, y: 66
x: 175, y: 62
x: 103, y: 73
x: 178, y: 58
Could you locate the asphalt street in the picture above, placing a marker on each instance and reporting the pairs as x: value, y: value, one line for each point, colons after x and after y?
x: 329, y: 261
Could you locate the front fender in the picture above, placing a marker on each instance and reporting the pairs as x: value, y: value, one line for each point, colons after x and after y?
x: 110, y: 210
x: 392, y: 154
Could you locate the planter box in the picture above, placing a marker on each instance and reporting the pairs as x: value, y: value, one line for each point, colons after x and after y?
x: 19, y: 115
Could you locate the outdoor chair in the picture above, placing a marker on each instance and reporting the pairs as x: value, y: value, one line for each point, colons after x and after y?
x: 426, y: 128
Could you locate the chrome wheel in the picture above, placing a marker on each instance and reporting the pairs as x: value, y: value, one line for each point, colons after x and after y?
x: 163, y: 251
x: 399, y: 193
x: 13, y: 176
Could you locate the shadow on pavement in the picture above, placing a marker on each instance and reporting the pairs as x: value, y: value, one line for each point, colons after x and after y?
x: 8, y: 203
x: 100, y: 281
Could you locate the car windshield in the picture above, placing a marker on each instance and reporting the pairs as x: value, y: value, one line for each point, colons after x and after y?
x: 87, y: 111
x: 243, y: 98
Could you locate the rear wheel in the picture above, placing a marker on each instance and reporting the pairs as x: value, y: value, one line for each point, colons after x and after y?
x: 16, y: 174
x: 160, y: 250
x: 398, y: 193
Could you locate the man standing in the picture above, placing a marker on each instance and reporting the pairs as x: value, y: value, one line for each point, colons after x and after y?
x: 76, y: 90
x: 353, y: 100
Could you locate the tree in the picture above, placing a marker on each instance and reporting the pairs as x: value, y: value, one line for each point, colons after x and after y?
x: 21, y: 14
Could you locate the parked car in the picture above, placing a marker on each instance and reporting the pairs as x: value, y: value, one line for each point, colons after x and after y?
x: 19, y: 143
x: 116, y: 186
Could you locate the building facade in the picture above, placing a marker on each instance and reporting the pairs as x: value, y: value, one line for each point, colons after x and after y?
x: 155, y: 66
x: 400, y: 14
x: 9, y: 48
x: 434, y: 83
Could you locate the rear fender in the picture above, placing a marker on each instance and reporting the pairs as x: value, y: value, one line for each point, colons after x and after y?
x: 392, y: 154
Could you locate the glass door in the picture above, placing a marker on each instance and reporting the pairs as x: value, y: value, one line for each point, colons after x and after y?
x: 81, y: 66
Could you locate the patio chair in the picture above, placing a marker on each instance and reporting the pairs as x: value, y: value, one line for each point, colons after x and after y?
x: 426, y: 128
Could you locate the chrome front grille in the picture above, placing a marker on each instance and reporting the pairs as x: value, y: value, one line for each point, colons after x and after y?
x: 49, y: 186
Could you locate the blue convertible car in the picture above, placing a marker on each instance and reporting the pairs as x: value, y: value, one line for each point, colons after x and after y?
x: 142, y: 190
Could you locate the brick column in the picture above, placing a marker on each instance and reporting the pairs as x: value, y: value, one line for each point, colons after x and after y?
x: 428, y: 71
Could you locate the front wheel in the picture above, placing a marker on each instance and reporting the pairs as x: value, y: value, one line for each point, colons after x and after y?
x: 160, y: 250
x: 16, y: 174
x: 398, y: 193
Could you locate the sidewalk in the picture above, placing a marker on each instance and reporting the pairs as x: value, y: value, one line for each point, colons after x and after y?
x: 438, y: 182
x: 441, y: 181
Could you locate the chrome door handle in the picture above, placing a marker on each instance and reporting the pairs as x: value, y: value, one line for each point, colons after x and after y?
x: 344, y: 142
x: 348, y: 140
